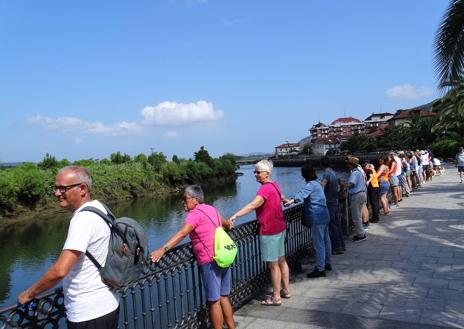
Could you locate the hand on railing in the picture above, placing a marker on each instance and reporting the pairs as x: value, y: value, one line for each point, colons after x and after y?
x: 288, y: 203
x: 28, y: 306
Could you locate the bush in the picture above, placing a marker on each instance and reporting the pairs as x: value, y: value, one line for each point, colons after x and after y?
x: 446, y: 148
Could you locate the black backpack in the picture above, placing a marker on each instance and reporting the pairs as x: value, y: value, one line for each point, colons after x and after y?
x: 127, y: 250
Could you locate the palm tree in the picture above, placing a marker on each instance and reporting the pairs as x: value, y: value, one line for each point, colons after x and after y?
x: 449, y: 46
x: 450, y: 110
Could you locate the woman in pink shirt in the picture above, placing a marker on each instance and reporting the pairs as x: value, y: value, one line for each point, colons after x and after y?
x: 200, y: 224
x: 268, y: 206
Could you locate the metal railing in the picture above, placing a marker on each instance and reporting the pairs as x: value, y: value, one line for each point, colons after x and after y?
x: 171, y: 295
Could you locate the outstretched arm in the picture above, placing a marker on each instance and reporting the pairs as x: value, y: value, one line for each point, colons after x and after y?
x: 256, y: 203
x: 171, y: 243
x: 54, y: 274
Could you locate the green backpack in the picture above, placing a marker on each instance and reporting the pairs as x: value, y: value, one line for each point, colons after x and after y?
x: 225, y: 249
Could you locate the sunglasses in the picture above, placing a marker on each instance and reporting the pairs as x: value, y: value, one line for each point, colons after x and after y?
x: 256, y: 172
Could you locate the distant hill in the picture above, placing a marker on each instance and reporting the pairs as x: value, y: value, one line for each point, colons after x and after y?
x: 254, y: 155
x: 10, y: 164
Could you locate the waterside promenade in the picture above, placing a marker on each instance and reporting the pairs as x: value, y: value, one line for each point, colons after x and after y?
x: 408, y: 274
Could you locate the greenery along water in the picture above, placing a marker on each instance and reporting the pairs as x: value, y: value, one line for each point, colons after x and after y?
x: 26, y: 250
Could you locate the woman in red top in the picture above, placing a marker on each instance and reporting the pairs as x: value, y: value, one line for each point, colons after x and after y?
x: 268, y: 206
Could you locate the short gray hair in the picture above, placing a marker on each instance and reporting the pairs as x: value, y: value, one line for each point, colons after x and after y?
x: 81, y: 174
x: 196, y: 192
x: 264, y: 165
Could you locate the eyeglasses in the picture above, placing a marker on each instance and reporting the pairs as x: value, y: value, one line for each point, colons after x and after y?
x: 185, y: 198
x: 256, y: 172
x: 65, y: 188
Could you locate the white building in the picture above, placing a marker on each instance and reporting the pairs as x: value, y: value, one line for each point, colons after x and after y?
x: 287, y: 149
x: 322, y: 145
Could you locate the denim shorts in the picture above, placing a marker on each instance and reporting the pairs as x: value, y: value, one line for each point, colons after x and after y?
x: 460, y: 168
x: 384, y: 186
x: 217, y: 281
x: 394, y: 180
x: 272, y: 246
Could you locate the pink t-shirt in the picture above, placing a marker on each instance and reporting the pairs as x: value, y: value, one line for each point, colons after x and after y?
x: 270, y: 215
x: 202, y: 235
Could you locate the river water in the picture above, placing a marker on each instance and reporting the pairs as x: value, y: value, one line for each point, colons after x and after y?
x: 27, y: 250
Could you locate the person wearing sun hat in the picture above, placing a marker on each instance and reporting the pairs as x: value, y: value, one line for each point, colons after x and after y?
x: 357, y: 193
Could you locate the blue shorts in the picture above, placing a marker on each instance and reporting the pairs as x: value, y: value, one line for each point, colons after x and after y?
x: 384, y: 186
x: 460, y: 168
x: 272, y: 246
x: 394, y: 181
x: 217, y: 281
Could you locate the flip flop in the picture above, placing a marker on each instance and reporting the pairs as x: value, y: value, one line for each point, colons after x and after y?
x: 285, y: 294
x: 271, y: 301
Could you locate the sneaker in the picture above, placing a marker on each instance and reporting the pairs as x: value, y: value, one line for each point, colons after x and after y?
x: 366, y: 227
x: 359, y: 238
x: 328, y: 267
x: 315, y: 274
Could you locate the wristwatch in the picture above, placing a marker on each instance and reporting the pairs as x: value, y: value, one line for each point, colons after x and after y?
x: 165, y: 247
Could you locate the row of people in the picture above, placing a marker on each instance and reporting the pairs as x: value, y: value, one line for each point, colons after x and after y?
x: 91, y: 304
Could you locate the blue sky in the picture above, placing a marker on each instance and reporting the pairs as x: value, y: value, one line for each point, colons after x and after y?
x: 83, y: 79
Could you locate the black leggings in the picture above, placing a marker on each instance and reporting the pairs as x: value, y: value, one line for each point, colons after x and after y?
x: 374, y: 199
x: 108, y: 321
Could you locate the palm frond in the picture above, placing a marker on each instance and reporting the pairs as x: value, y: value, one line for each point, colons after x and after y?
x: 449, y: 45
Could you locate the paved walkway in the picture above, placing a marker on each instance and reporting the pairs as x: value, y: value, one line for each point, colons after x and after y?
x: 408, y: 274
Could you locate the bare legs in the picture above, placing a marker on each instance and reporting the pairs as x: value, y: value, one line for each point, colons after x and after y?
x: 220, y: 311
x: 384, y: 202
x: 279, y: 276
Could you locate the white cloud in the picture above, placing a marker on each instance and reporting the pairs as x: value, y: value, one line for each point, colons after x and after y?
x: 172, y: 113
x: 171, y: 134
x: 73, y: 124
x: 78, y: 141
x: 409, y: 92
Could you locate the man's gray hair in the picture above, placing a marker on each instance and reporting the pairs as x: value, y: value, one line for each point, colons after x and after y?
x: 196, y: 192
x: 264, y: 165
x: 82, y: 174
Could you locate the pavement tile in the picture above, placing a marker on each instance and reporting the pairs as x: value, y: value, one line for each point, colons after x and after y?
x: 408, y: 274
x: 401, y: 313
x: 431, y: 282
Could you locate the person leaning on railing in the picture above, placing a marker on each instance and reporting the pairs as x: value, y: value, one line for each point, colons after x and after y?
x: 317, y: 216
x: 268, y: 206
x: 200, y: 224
x: 88, y: 301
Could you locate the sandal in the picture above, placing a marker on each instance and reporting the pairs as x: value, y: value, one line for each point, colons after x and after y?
x: 285, y: 294
x: 271, y: 301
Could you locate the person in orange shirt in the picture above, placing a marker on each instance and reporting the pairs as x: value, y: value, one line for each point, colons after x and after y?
x: 384, y: 183
x: 373, y: 191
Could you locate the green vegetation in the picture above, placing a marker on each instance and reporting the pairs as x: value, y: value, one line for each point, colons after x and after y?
x: 439, y: 133
x: 120, y: 177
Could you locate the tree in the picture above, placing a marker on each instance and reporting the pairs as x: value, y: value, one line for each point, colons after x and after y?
x: 157, y: 159
x: 203, y: 156
x: 449, y: 45
x: 142, y: 158
x: 119, y: 158
x: 450, y: 109
x: 49, y: 161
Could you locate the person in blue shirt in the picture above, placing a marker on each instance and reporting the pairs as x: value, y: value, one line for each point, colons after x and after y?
x: 317, y: 216
x: 331, y: 186
x: 357, y: 195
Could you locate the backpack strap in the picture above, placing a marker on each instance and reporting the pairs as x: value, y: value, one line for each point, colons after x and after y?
x: 220, y: 224
x: 280, y: 195
x: 108, y: 218
x: 217, y: 214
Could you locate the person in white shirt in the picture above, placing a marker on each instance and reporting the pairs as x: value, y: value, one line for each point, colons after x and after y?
x: 88, y: 301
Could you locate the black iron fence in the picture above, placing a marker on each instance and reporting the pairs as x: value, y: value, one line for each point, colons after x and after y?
x: 171, y: 295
